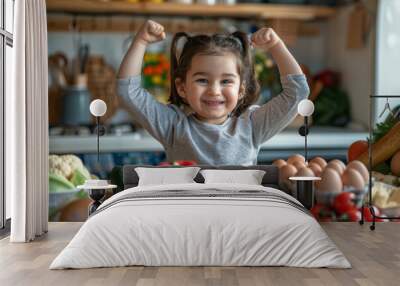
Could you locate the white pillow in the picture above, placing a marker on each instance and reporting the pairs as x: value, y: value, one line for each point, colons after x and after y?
x: 249, y: 177
x: 165, y: 176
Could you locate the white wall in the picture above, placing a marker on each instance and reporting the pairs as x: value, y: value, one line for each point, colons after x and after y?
x: 355, y: 65
x: 312, y: 50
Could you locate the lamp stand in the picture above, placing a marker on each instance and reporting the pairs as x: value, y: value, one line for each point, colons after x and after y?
x: 303, y: 131
x: 305, y: 139
x: 98, y: 141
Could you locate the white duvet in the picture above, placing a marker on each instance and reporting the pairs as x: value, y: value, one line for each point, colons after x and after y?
x: 185, y: 230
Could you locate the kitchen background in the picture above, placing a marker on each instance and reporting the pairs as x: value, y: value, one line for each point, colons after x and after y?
x: 346, y: 49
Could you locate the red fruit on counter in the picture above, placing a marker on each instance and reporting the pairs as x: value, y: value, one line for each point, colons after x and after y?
x: 353, y: 215
x: 322, y: 212
x: 345, y: 197
x: 368, y: 215
x: 356, y: 149
x: 316, y: 210
x: 344, y: 202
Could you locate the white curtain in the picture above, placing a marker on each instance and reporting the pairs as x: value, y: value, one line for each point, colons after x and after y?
x: 27, y: 124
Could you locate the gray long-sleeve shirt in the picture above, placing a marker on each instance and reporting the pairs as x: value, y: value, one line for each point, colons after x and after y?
x: 235, y: 142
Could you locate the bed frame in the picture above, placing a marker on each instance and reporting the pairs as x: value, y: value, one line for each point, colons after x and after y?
x: 270, y: 179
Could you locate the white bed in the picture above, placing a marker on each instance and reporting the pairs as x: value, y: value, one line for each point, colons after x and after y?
x: 203, y: 225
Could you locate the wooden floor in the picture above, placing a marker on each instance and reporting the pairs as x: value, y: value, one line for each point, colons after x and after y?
x: 375, y: 257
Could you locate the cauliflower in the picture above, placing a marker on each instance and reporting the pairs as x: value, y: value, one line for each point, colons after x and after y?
x: 66, y: 165
x: 59, y: 167
x: 73, y: 161
x: 70, y: 168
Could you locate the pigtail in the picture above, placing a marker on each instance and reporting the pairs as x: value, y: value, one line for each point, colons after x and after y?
x: 174, y: 70
x: 251, y: 85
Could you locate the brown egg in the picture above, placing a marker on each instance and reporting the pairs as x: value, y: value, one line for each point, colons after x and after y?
x: 340, y: 163
x: 360, y: 167
x: 320, y: 161
x: 330, y: 181
x: 299, y: 164
x: 305, y: 172
x: 315, y: 168
x: 353, y: 178
x: 279, y: 163
x: 286, y: 171
x: 336, y: 166
x: 296, y: 158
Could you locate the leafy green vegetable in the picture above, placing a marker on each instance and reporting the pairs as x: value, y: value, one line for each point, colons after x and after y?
x: 332, y: 107
x: 59, y: 183
x: 382, y: 128
x: 383, y: 168
x: 79, y: 176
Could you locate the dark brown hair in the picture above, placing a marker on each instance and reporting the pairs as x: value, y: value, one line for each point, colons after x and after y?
x: 236, y: 43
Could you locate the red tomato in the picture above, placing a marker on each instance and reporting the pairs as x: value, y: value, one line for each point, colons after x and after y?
x: 368, y: 215
x: 322, y: 212
x: 356, y: 149
x: 345, y: 197
x: 354, y: 215
x: 316, y: 210
x: 344, y: 202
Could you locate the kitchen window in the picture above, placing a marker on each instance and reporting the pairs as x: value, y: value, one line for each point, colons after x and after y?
x: 6, y: 60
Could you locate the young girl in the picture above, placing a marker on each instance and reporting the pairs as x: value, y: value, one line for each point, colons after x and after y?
x: 214, y: 77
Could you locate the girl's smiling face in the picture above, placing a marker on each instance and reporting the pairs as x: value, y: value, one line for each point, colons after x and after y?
x: 212, y: 87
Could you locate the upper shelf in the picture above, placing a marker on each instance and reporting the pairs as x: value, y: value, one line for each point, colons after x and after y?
x: 259, y: 11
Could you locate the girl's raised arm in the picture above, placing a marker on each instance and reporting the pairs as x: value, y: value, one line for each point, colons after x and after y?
x: 149, y: 32
x: 277, y: 113
x: 268, y: 40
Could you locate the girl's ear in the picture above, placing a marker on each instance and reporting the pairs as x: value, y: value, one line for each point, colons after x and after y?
x: 180, y: 87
